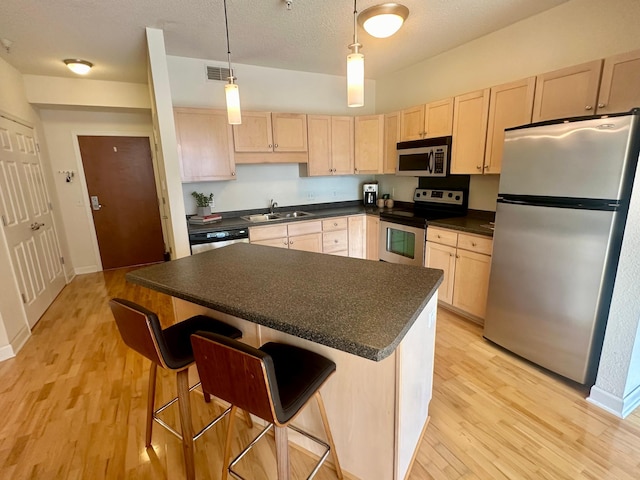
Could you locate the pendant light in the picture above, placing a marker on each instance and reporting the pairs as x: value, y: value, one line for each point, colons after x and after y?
x: 355, y: 68
x: 231, y: 91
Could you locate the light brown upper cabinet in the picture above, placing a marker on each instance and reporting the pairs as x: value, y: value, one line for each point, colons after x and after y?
x: 205, y: 145
x: 331, y: 145
x: 391, y: 138
x: 620, y: 86
x: 434, y: 119
x: 369, y: 138
x: 271, y: 132
x: 470, y: 114
x: 569, y: 92
x: 510, y: 105
x: 438, y: 118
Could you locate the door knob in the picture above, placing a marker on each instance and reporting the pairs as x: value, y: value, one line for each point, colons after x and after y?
x: 36, y: 226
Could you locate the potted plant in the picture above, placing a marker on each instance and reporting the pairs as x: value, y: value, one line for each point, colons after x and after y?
x: 203, y: 202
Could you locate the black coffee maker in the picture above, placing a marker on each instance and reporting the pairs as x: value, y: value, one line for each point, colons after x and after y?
x: 370, y: 191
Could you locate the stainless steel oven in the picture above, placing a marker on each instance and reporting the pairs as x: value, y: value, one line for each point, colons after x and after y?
x: 403, y: 230
x: 402, y: 243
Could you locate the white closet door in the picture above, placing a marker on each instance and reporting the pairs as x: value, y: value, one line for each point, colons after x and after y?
x: 25, y: 212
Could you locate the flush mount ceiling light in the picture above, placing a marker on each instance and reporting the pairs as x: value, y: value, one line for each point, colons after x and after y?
x: 355, y: 68
x: 384, y: 20
x: 232, y: 93
x: 81, y: 67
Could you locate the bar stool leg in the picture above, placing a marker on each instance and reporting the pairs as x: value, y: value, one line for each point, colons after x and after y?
x: 185, y: 422
x: 247, y: 417
x: 227, y: 443
x: 151, y: 395
x: 325, y: 422
x: 282, y: 452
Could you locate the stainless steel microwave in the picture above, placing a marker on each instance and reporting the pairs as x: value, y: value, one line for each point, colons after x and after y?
x: 424, y: 158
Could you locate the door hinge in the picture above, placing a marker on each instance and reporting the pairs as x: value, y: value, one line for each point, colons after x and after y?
x: 50, y: 206
x: 37, y: 147
x: 24, y: 298
x: 4, y: 221
x: 62, y: 260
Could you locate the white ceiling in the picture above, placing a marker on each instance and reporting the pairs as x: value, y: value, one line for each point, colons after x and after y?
x: 313, y: 36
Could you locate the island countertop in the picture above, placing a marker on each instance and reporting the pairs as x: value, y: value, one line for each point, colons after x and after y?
x: 358, y: 306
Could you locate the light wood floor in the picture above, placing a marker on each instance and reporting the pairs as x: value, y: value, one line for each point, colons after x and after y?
x: 73, y: 404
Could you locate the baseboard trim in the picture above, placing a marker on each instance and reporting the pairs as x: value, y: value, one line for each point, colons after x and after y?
x: 10, y: 351
x: 620, y: 407
x: 89, y: 269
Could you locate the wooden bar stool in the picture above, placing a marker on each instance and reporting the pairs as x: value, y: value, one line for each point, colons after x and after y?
x: 273, y: 382
x: 171, y: 349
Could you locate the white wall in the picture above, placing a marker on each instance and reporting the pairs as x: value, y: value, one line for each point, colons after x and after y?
x: 83, y: 92
x: 269, y: 89
x: 61, y: 128
x: 617, y: 385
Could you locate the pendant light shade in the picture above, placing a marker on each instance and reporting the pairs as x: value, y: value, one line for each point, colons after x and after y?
x: 355, y: 68
x: 384, y: 20
x: 232, y: 94
x: 231, y: 91
x: 355, y: 80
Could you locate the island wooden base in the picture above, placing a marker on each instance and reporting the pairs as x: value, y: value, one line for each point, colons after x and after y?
x: 377, y: 410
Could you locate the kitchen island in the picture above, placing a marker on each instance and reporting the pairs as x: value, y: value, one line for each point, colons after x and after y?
x: 375, y: 320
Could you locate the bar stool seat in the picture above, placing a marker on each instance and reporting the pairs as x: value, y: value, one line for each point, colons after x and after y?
x: 169, y: 348
x: 273, y: 382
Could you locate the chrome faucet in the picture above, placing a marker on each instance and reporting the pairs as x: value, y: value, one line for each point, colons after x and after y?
x: 272, y: 205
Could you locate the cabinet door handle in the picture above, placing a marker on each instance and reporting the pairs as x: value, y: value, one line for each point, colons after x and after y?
x: 276, y: 145
x: 270, y: 146
x: 478, y: 167
x: 588, y: 107
x: 286, y: 243
x: 457, y: 256
x: 233, y: 174
x: 602, y: 105
x: 335, y: 241
x: 290, y: 242
x: 439, y: 236
x: 473, y: 244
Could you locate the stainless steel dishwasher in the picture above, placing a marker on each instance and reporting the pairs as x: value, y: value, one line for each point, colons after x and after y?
x: 204, y: 240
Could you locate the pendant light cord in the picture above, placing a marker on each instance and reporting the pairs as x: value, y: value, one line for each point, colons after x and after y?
x: 355, y: 27
x: 226, y: 27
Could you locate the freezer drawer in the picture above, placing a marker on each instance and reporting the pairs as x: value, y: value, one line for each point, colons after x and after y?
x: 548, y: 290
x: 585, y: 159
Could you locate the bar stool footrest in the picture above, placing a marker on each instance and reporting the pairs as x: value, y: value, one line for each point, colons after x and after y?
x: 313, y: 473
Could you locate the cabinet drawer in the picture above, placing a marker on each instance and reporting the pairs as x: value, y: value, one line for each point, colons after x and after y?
x: 439, y: 235
x: 265, y: 233
x: 282, y: 242
x: 339, y: 223
x: 475, y: 243
x: 302, y: 228
x: 334, y: 241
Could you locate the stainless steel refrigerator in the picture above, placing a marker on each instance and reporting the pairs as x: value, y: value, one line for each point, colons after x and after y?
x: 562, y: 205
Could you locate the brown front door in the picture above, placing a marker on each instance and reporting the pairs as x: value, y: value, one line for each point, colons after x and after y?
x: 123, y: 199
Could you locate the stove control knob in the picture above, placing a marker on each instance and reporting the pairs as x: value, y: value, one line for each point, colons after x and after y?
x: 450, y: 194
x: 457, y: 197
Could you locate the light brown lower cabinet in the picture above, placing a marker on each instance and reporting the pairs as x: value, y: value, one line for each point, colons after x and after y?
x: 373, y: 237
x: 305, y: 236
x: 343, y: 236
x: 466, y: 262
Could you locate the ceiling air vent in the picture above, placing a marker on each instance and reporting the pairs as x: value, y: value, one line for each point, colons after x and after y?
x: 217, y: 73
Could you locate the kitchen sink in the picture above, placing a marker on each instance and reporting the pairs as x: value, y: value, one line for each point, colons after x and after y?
x: 296, y: 214
x: 262, y: 217
x: 265, y: 217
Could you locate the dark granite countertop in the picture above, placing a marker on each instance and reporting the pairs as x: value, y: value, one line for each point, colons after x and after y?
x: 318, y: 211
x: 358, y: 306
x: 476, y: 221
